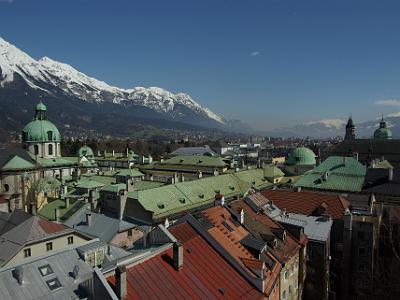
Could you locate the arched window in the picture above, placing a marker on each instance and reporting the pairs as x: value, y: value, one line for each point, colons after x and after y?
x: 50, y: 135
x: 6, y: 187
x: 50, y: 149
x: 36, y: 149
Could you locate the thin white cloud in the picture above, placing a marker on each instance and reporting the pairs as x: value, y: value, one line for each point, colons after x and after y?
x: 255, y: 53
x: 388, y: 102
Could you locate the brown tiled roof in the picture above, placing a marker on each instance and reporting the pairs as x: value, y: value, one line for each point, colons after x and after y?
x: 261, y: 225
x: 204, y: 275
x: 306, y: 202
x: 228, y: 233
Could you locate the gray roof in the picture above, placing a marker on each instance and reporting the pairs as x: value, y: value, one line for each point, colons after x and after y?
x: 194, y: 151
x: 315, y: 228
x: 35, y: 284
x: 103, y: 227
x: 30, y: 229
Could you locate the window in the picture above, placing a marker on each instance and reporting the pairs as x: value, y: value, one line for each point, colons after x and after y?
x: 70, y: 240
x: 130, y: 232
x: 53, y: 284
x: 49, y: 246
x: 36, y: 149
x: 50, y: 135
x: 6, y: 187
x: 27, y: 252
x: 362, y: 251
x: 286, y: 274
x: 50, y: 149
x: 45, y: 270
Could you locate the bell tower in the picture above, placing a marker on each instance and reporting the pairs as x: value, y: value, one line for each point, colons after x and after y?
x: 350, y: 130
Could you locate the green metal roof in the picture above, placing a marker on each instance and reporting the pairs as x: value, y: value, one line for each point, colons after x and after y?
x: 145, y: 185
x: 89, y: 183
x: 273, y: 172
x: 54, y: 162
x: 114, y: 188
x: 301, y: 156
x: 41, y: 107
x: 196, y: 160
x: 335, y: 173
x: 182, y: 196
x: 47, y: 211
x: 130, y: 172
x: 383, y: 134
x: 17, y: 163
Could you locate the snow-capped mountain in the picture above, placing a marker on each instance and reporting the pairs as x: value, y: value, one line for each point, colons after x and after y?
x: 53, y: 79
x: 336, y: 127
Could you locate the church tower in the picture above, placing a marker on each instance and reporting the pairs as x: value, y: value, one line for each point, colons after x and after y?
x: 350, y: 130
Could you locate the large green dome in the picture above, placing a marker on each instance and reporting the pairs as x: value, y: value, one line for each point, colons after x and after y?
x: 383, y: 133
x: 40, y: 129
x: 301, y: 156
x: 85, y: 151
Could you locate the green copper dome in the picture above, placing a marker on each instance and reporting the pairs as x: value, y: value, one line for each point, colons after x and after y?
x: 301, y: 156
x: 40, y: 106
x: 383, y: 133
x: 85, y: 151
x: 40, y: 129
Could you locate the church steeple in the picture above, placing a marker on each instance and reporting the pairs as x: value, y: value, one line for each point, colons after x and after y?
x: 350, y: 130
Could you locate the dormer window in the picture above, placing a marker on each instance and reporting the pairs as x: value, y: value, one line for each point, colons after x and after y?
x: 161, y: 206
x: 50, y: 135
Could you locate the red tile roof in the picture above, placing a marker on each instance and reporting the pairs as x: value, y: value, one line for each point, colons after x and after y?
x: 305, y: 202
x: 204, y: 275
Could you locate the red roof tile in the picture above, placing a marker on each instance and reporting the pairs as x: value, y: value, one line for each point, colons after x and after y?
x: 204, y: 275
x: 305, y: 202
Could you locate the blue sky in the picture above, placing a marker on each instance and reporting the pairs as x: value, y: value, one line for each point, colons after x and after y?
x: 271, y: 63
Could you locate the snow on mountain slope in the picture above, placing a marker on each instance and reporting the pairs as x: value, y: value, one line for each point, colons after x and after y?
x: 44, y: 72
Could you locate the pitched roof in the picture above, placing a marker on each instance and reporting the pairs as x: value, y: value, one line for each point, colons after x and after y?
x: 307, y: 202
x: 335, y: 173
x: 204, y: 150
x: 17, y: 163
x: 183, y: 196
x: 129, y: 172
x: 377, y: 182
x: 196, y: 160
x: 261, y: 225
x: 31, y: 229
x: 205, y: 274
x: 103, y: 227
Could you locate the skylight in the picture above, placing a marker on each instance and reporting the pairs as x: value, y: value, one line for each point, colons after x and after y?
x: 53, y: 284
x: 45, y: 270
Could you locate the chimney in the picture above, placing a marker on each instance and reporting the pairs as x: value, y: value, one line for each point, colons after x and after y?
x: 88, y: 218
x: 32, y: 209
x: 120, y: 274
x: 98, y: 153
x: 19, y: 274
x: 199, y: 174
x: 66, y: 202
x: 75, y: 272
x: 166, y: 223
x: 356, y: 155
x: 219, y: 199
x: 57, y: 215
x: 299, y: 189
x: 113, y: 153
x: 242, y: 216
x: 122, y: 197
x: 390, y: 174
x: 178, y: 256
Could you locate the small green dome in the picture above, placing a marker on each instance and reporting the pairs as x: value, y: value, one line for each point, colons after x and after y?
x: 301, y: 156
x: 41, y: 107
x: 40, y: 131
x: 85, y: 151
x: 383, y: 133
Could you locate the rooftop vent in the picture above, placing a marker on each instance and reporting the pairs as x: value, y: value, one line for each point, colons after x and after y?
x: 75, y: 272
x: 161, y: 206
x: 182, y: 200
x: 19, y: 274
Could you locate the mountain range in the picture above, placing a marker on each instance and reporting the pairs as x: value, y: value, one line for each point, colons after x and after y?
x: 336, y: 127
x: 79, y: 101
